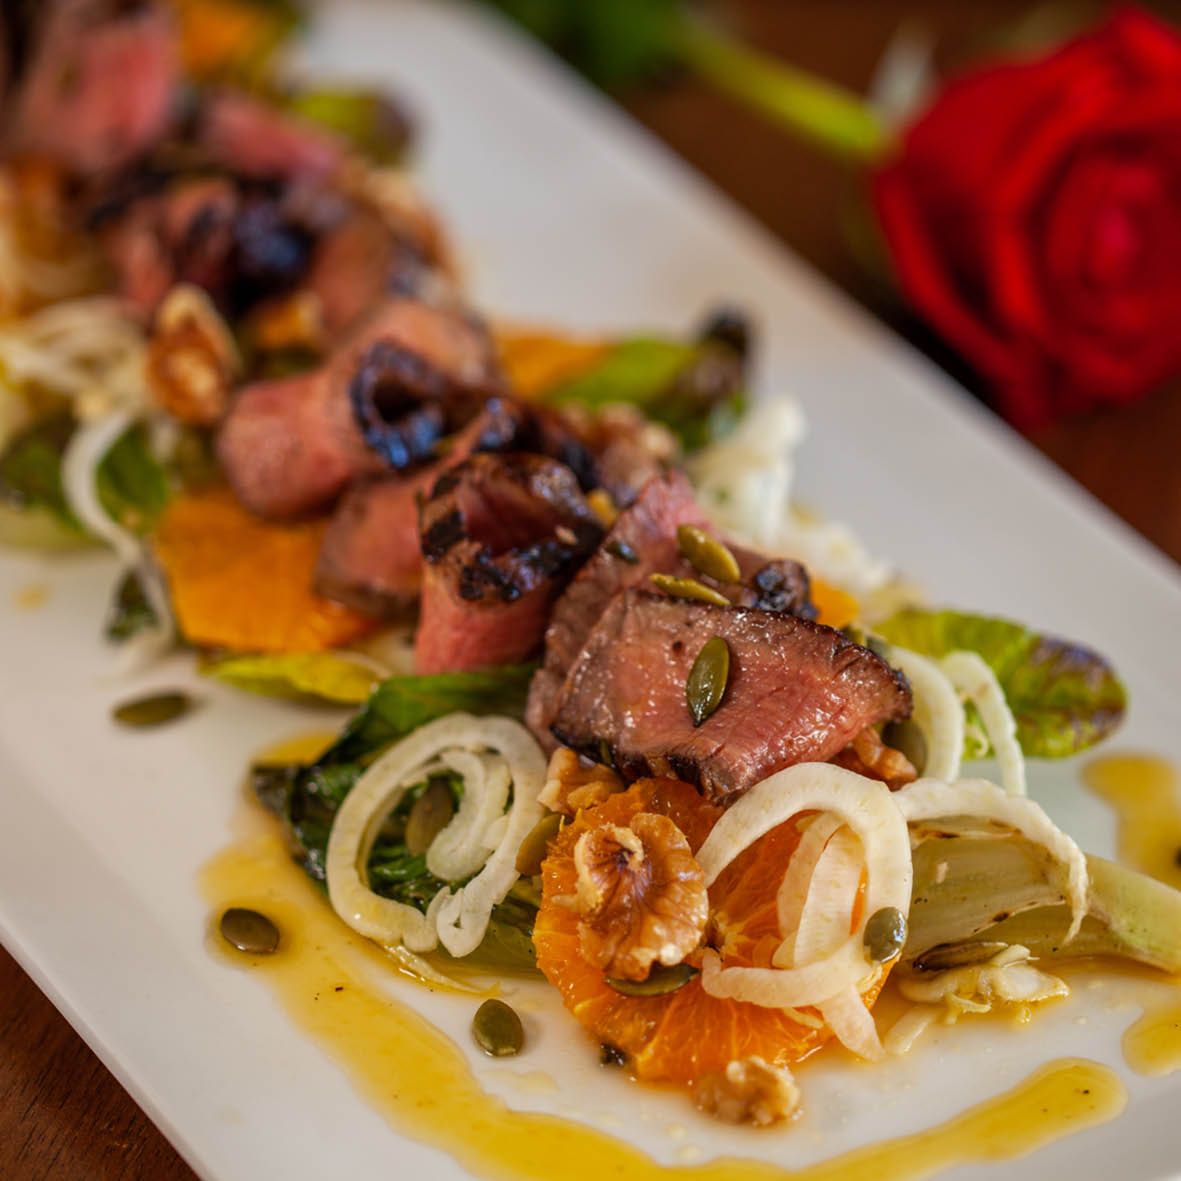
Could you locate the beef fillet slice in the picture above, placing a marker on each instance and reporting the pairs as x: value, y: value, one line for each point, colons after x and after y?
x: 797, y: 692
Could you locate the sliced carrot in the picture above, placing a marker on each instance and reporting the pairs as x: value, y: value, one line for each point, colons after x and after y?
x: 244, y: 584
x: 535, y: 362
x: 834, y: 607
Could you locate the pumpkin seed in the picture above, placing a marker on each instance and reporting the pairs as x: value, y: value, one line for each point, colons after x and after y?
x: 708, y: 678
x: 659, y: 982
x: 498, y: 1030
x: 908, y: 738
x: 600, y: 502
x: 535, y: 846
x: 249, y: 931
x: 689, y: 588
x: 429, y: 815
x: 885, y: 934
x: 621, y: 550
x: 707, y: 555
x: 154, y: 710
x: 944, y: 956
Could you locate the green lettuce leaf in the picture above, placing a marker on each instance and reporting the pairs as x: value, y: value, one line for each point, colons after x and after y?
x: 129, y: 611
x: 693, y: 389
x: 31, y: 470
x: 365, y: 119
x: 402, y: 704
x: 1064, y: 697
x: 132, y: 484
x: 336, y: 677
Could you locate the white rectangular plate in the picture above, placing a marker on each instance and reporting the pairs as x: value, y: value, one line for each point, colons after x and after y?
x: 569, y: 214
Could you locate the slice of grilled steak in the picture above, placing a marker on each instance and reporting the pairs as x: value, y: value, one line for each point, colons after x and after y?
x: 501, y: 535
x: 797, y: 692
x: 371, y: 558
x: 251, y: 137
x: 643, y: 542
x: 290, y: 447
x: 97, y: 85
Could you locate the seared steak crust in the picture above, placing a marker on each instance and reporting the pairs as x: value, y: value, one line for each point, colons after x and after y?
x: 501, y: 534
x: 371, y: 558
x: 291, y: 446
x: 797, y: 692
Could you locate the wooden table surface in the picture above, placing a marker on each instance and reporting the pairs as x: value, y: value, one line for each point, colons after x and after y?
x: 62, y: 1115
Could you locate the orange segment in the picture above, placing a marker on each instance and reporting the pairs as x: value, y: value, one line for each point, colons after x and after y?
x: 686, y: 1034
x: 535, y: 362
x: 245, y: 584
x: 834, y: 607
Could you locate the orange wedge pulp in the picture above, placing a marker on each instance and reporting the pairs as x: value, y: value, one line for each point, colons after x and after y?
x: 686, y: 1034
x: 244, y: 584
x: 535, y: 361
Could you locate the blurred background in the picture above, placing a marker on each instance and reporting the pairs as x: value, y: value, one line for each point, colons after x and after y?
x: 1022, y: 228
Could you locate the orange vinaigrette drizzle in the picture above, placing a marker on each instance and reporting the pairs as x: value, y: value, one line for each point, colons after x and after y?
x: 422, y: 1084
x: 1145, y: 793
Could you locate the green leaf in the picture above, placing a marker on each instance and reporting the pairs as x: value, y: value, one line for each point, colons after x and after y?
x: 130, y: 612
x: 402, y: 704
x: 693, y: 389
x: 637, y: 371
x: 328, y: 676
x: 132, y: 484
x: 365, y: 119
x: 1064, y: 697
x: 31, y: 469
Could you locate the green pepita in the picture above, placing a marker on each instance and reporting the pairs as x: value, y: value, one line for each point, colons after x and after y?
x: 885, y: 934
x: 249, y: 931
x: 535, y: 846
x: 153, y: 710
x: 429, y: 815
x: 689, y: 588
x: 659, y: 982
x: 908, y: 738
x: 958, y: 955
x: 706, y: 685
x: 498, y: 1030
x: 707, y: 555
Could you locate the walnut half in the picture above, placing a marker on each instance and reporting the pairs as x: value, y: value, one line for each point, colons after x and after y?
x: 641, y: 896
x: 192, y: 361
x: 571, y: 785
x: 749, y: 1091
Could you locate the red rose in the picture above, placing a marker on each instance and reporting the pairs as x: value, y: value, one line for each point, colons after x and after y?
x: 1034, y: 218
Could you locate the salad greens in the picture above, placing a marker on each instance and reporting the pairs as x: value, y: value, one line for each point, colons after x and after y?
x: 130, y: 611
x: 133, y: 485
x: 695, y: 389
x: 306, y: 797
x: 1064, y: 697
x: 402, y: 704
x: 336, y: 677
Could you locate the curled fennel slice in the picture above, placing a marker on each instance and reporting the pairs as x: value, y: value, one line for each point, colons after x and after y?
x: 972, y: 676
x: 938, y: 713
x: 456, y: 918
x: 928, y: 799
x: 866, y: 807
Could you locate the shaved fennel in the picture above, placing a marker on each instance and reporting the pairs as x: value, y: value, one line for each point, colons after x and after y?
x: 867, y: 808
x: 457, y: 918
x: 971, y: 675
x: 938, y: 713
x: 928, y: 799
